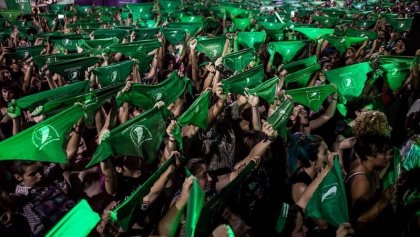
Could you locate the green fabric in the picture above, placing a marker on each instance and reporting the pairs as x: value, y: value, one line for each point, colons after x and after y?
x: 58, y: 7
x: 412, y: 159
x: 266, y: 90
x: 78, y: 222
x: 136, y: 48
x: 242, y: 23
x: 174, y: 36
x: 145, y: 96
x: 30, y: 102
x: 212, y: 47
x: 169, y: 5
x: 279, y: 118
x: 123, y: 212
x: 41, y: 60
x: 282, y: 218
x: 213, y: 209
x: 191, y: 28
x: 45, y: 141
x: 300, y: 64
x: 350, y: 80
x: 313, y: 96
x: 194, y: 206
x: 73, y: 69
x: 237, y: 61
x: 23, y: 6
x: 196, y: 114
x: 401, y: 24
x: 302, y: 77
x: 251, y: 39
x: 231, y: 12
x: 140, y: 136
x: 83, y: 9
x: 27, y: 52
x: 146, y: 33
x: 333, y: 12
x: 328, y: 22
x: 10, y: 15
x: 361, y: 33
x: 248, y: 79
x: 396, y: 74
x: 288, y: 49
x: 97, y: 46
x: 367, y: 24
x: 141, y: 10
x: 190, y: 19
x: 109, y: 33
x: 329, y: 200
x: 394, y: 170
x: 68, y: 43
x: 272, y: 26
x: 343, y: 43
x: 314, y: 33
x: 114, y: 73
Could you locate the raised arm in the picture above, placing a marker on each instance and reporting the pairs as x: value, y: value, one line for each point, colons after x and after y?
x: 316, y: 123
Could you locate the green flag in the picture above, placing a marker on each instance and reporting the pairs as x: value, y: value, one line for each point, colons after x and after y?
x: 329, y: 201
x: 231, y: 12
x: 73, y: 69
x: 312, y: 96
x: 395, y: 74
x: 194, y: 206
x: 136, y: 48
x: 251, y: 39
x: 302, y: 77
x: 196, y: 114
x: 140, y: 136
x: 191, y: 28
x: 272, y: 26
x: 393, y: 171
x: 248, y: 79
x: 280, y: 117
x: 141, y: 10
x: 109, y: 33
x: 146, y: 33
x: 97, y: 46
x: 191, y: 19
x: 212, y: 47
x: 83, y: 9
x: 114, y: 73
x: 46, y: 141
x: 174, y: 36
x: 401, y: 24
x: 266, y: 90
x: 242, y: 23
x: 350, y: 80
x: 343, y: 43
x: 239, y: 60
x: 145, y: 96
x: 314, y: 33
x: 78, y: 222
x: 328, y: 22
x: 41, y: 60
x: 123, y: 212
x: 361, y: 33
x: 288, y: 49
x: 367, y: 24
x: 27, y: 52
x: 10, y: 15
x: 30, y: 102
x: 299, y: 64
x: 212, y: 210
x: 412, y: 159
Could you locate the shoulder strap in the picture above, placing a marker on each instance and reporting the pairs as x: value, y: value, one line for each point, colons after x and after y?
x: 354, y: 174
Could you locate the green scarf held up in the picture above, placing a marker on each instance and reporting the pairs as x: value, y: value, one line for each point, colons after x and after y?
x: 312, y: 96
x: 279, y: 118
x: 41, y: 60
x: 110, y: 33
x: 190, y: 19
x: 314, y: 33
x: 45, y: 141
x: 114, y: 73
x: 401, y: 24
x: 266, y: 90
x: 361, y: 33
x: 251, y: 39
x: 141, y: 10
x: 174, y: 36
x: 248, y: 79
x: 73, y: 69
x: 343, y: 43
x: 395, y: 69
x: 367, y: 24
x: 191, y: 28
x: 134, y: 48
x: 145, y: 96
x: 242, y: 23
x: 97, y: 46
x: 302, y: 77
x: 239, y: 60
x: 27, y: 52
x: 288, y: 49
x: 194, y: 206
x: 328, y: 22
x: 299, y: 64
x: 10, y: 15
x: 350, y: 80
x: 212, y: 47
x: 146, y: 33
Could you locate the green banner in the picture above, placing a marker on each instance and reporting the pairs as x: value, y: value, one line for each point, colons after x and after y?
x: 237, y: 61
x: 248, y: 79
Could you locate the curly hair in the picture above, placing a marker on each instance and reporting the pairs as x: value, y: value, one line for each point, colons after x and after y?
x: 371, y: 122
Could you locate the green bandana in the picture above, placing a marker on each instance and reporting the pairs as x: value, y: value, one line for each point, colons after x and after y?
x: 41, y: 60
x: 300, y: 64
x: 97, y: 46
x: 251, y: 39
x: 329, y: 200
x: 280, y: 117
x: 288, y: 49
x: 343, y: 43
x: 74, y: 69
x: 141, y: 10
x: 10, y: 15
x: 239, y: 60
x: 242, y: 23
x: 146, y: 33
x: 194, y: 206
x: 313, y: 96
x: 327, y: 22
x: 282, y: 218
x: 191, y: 28
x: 191, y: 19
x: 401, y: 24
x: 314, y: 33
x: 174, y: 36
x: 109, y: 33
x: 113, y: 74
x: 367, y: 24
x: 27, y: 52
x: 266, y: 90
x: 302, y: 77
x: 212, y: 47
x: 248, y: 79
x: 361, y: 34
x: 45, y: 141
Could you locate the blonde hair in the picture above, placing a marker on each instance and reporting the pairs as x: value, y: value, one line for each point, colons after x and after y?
x: 371, y: 122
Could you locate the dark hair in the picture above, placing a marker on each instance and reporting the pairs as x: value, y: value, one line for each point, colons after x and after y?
x: 195, y: 165
x: 18, y: 166
x: 413, y: 123
x: 304, y: 149
x: 371, y: 144
x: 356, y: 104
x: 120, y: 161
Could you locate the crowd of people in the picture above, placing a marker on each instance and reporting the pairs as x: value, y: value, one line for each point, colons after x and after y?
x: 253, y: 167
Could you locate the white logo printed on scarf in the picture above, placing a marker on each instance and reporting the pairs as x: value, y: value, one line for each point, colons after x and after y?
x: 114, y: 76
x: 44, y: 136
x: 73, y: 75
x: 140, y: 134
x: 328, y: 192
x: 312, y: 96
x: 348, y: 83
